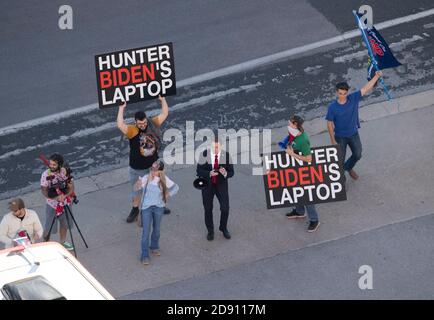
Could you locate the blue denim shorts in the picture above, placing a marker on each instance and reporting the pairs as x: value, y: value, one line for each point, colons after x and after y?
x: 134, y: 176
x: 50, y: 214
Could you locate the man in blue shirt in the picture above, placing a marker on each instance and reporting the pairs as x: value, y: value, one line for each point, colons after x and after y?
x: 343, y: 121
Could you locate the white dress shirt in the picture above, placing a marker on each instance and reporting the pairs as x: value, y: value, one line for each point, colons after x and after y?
x: 218, y: 159
x: 213, y: 157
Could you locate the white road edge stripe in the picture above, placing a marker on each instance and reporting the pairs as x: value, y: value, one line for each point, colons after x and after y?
x: 251, y: 64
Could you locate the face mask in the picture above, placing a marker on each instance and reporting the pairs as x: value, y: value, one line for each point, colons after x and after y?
x: 294, y: 132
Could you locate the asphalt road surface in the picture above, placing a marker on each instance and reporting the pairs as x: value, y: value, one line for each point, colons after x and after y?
x: 46, y: 70
x: 261, y: 98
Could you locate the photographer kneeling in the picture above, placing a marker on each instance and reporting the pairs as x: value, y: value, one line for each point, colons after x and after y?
x: 19, y: 221
x: 57, y: 187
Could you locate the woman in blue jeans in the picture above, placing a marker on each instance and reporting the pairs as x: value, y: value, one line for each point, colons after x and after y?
x: 301, y: 144
x: 157, y: 188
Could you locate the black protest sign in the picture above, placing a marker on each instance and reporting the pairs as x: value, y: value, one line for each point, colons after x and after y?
x: 290, y: 182
x: 135, y: 75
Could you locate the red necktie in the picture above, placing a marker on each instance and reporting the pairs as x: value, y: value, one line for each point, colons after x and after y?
x: 216, y: 167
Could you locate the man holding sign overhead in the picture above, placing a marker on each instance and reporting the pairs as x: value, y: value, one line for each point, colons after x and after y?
x: 144, y: 138
x: 130, y: 76
x: 343, y: 121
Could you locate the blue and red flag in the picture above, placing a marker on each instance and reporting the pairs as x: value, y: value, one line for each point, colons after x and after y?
x: 381, y: 52
x: 380, y: 56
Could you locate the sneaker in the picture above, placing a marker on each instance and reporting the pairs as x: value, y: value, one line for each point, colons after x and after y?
x: 156, y: 252
x: 313, y: 225
x: 133, y: 214
x: 294, y: 215
x: 68, y: 246
x: 146, y: 261
x: 210, y: 236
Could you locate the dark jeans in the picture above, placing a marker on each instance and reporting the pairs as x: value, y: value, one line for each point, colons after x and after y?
x: 311, y: 211
x: 356, y: 150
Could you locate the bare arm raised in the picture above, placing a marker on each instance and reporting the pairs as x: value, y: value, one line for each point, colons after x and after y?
x: 371, y: 83
x: 120, y: 119
x: 158, y: 120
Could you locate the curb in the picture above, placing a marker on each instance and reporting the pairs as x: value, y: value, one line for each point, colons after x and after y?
x: 315, y: 126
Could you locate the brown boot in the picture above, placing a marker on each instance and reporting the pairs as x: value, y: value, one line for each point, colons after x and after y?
x: 353, y: 174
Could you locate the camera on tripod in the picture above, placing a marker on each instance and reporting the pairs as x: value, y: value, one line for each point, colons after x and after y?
x: 53, y: 190
x: 61, y: 185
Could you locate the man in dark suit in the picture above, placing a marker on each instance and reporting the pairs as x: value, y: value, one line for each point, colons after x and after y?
x: 216, y: 168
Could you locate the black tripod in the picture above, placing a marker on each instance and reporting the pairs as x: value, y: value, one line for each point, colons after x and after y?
x: 67, y: 212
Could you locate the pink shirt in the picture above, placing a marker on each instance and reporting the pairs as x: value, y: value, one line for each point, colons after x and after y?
x: 57, y: 176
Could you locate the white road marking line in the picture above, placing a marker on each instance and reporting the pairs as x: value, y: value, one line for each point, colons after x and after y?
x: 110, y: 125
x: 251, y: 64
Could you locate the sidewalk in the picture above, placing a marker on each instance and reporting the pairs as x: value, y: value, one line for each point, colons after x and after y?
x: 395, y: 184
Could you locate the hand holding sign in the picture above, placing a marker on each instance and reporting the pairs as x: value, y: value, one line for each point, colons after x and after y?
x: 135, y: 75
x: 290, y: 151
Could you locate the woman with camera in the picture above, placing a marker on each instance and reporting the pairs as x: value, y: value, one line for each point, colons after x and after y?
x: 157, y: 188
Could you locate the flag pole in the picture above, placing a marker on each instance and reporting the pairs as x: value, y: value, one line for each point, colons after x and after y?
x: 371, y: 54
